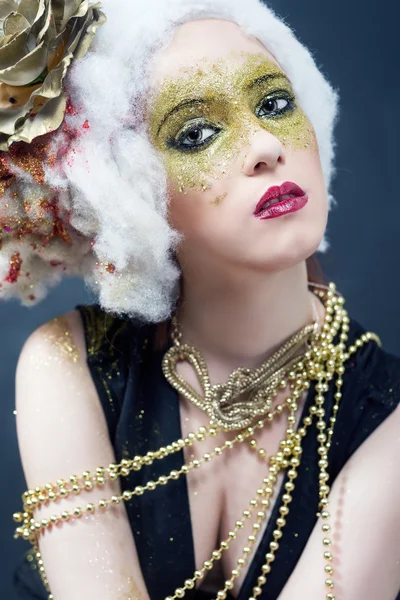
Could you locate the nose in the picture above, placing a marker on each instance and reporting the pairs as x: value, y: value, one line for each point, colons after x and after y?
x: 265, y: 150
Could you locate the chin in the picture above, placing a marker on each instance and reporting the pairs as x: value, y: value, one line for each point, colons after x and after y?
x: 288, y: 251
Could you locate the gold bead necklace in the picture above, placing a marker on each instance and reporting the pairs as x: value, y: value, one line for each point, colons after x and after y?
x: 321, y: 362
x: 221, y: 402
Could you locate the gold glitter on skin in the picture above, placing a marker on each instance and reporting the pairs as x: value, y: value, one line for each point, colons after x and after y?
x: 225, y: 96
x: 59, y: 334
x: 219, y: 199
x: 133, y: 593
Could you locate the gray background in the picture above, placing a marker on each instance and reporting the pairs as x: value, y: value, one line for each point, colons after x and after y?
x: 355, y: 43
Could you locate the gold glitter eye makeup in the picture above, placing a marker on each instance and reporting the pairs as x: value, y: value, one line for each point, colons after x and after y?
x: 197, y: 133
x: 276, y: 105
x: 194, y: 135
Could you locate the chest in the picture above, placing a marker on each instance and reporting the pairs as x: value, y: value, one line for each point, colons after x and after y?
x: 229, y: 513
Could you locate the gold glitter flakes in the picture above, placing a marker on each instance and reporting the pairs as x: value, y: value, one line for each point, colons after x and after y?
x: 219, y: 199
x: 59, y: 334
x: 31, y: 157
x: 133, y: 592
x: 6, y: 175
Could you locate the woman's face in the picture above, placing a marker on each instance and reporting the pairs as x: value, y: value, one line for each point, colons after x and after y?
x: 228, y: 127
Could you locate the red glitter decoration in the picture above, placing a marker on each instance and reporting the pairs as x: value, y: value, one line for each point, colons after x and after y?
x: 110, y: 268
x: 49, y: 218
x: 70, y: 109
x: 15, y: 268
x: 43, y: 219
x: 59, y: 228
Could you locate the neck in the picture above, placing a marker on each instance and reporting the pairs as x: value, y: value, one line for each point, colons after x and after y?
x: 240, y: 322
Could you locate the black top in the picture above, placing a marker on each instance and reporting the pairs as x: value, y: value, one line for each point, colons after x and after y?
x: 142, y: 413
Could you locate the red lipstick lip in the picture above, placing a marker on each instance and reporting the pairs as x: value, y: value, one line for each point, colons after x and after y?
x: 276, y: 191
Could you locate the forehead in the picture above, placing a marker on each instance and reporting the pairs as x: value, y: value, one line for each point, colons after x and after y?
x: 204, y: 40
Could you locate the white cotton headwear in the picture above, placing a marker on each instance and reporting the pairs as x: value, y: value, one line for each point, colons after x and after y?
x: 113, y: 185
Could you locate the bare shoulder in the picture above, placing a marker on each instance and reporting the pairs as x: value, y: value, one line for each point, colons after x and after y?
x: 63, y: 335
x: 60, y: 422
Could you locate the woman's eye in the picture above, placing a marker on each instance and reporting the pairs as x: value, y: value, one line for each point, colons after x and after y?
x: 274, y: 106
x: 195, y: 136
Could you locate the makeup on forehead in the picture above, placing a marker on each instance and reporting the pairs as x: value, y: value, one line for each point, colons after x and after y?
x: 200, y: 86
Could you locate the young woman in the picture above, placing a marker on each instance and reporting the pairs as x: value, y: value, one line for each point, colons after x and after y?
x: 216, y: 426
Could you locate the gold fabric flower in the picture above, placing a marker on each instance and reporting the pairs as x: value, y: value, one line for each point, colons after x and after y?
x: 39, y: 39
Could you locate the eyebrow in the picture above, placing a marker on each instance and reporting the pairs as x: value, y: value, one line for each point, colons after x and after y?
x: 191, y: 102
x: 267, y: 77
x: 197, y: 101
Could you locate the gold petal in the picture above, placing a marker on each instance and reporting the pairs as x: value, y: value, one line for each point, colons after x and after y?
x: 55, y: 41
x: 12, y: 52
x: 82, y: 8
x: 48, y: 119
x: 8, y: 119
x: 76, y: 35
x: 29, y: 9
x: 27, y: 69
x: 64, y: 31
x: 15, y: 23
x: 56, y: 56
x: 71, y: 8
x: 7, y: 7
x: 86, y: 40
x: 57, y: 11
x: 52, y: 85
x: 44, y: 25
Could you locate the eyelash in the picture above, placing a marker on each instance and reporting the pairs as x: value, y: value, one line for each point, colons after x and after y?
x: 200, y: 124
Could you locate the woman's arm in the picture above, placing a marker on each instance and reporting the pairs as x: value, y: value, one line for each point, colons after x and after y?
x: 365, y: 520
x: 62, y: 431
